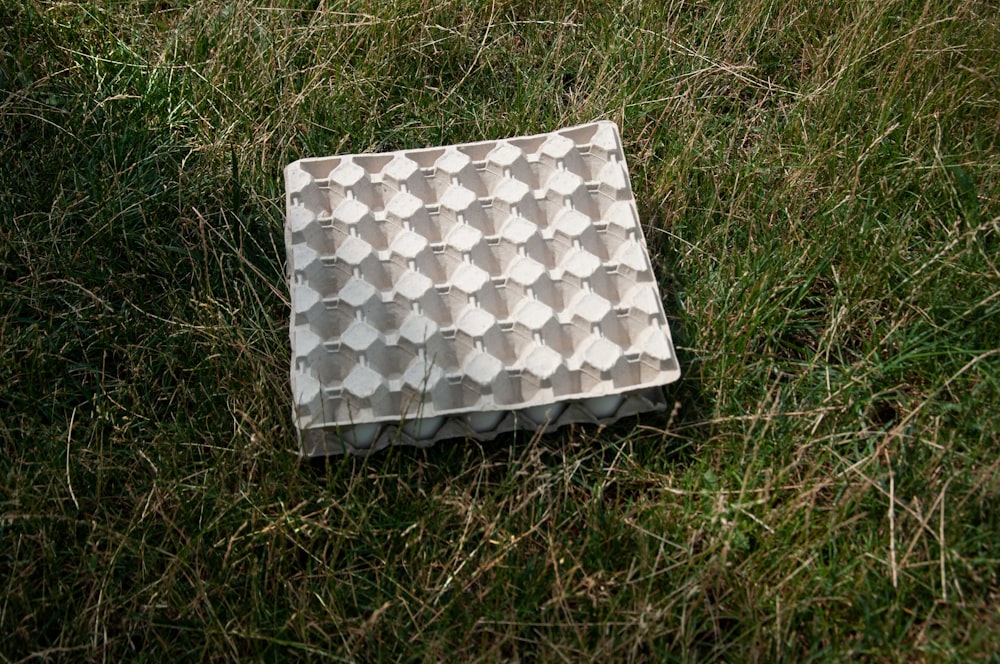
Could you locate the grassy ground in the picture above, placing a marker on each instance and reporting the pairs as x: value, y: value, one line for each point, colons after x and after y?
x: 821, y: 188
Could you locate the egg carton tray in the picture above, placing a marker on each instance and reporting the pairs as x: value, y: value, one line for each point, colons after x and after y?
x: 470, y: 290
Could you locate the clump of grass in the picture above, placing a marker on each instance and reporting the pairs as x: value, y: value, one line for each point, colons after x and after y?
x: 820, y: 190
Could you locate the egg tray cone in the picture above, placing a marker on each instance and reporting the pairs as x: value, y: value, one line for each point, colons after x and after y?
x: 469, y: 290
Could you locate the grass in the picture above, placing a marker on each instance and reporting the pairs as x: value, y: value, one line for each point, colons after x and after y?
x: 820, y: 184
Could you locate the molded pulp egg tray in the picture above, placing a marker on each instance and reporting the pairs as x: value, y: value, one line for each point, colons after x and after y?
x: 470, y: 290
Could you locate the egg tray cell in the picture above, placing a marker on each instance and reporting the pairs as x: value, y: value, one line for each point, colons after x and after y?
x: 470, y: 290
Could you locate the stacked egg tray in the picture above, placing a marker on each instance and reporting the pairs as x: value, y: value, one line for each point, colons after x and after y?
x: 470, y: 290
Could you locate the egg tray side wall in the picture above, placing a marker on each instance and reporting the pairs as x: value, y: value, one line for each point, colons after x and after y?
x: 337, y: 440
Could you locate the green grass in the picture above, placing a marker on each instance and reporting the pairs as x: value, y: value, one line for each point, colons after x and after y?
x: 820, y: 184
